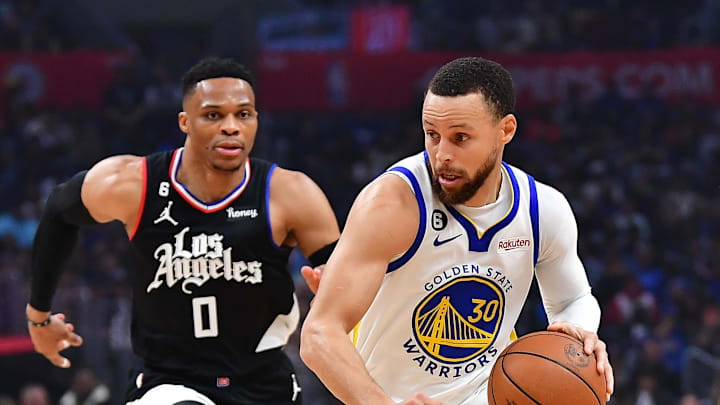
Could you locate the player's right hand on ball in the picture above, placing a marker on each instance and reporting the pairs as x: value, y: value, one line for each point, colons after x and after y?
x: 53, y: 338
x: 421, y: 399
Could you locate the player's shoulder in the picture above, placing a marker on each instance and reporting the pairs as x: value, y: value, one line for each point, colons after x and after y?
x: 118, y: 170
x: 290, y: 182
x: 388, y: 191
x: 295, y: 191
x: 113, y: 188
x: 413, y: 170
x: 413, y: 163
x: 119, y: 160
x: 548, y: 196
x: 553, y: 205
x: 387, y: 208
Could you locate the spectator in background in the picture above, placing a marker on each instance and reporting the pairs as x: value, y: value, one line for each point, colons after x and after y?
x: 650, y: 391
x: 86, y: 390
x: 34, y: 394
x: 125, y: 100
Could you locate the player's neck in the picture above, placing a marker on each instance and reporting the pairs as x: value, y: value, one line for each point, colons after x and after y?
x: 206, y: 182
x: 488, y: 193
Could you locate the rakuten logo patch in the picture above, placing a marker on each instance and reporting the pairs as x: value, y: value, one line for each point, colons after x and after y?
x: 508, y: 245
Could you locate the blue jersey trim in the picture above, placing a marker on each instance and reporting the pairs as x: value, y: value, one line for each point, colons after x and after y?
x: 534, y: 218
x: 482, y: 244
x: 267, y: 208
x: 396, y: 264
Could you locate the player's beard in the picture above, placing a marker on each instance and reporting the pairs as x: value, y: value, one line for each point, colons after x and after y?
x: 467, y: 190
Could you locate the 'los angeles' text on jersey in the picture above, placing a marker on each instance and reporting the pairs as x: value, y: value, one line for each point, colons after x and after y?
x: 207, y: 259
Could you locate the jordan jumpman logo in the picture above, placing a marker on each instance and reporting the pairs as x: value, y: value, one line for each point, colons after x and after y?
x: 296, y: 387
x: 165, y: 215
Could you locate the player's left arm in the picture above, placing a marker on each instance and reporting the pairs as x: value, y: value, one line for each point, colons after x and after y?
x: 309, y: 221
x: 570, y: 306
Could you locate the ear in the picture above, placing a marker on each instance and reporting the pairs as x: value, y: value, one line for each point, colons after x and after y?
x: 507, y: 128
x: 183, y: 122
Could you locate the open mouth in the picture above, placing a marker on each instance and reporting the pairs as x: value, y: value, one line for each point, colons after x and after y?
x: 449, y: 179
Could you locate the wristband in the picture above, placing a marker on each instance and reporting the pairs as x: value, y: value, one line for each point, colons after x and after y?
x: 322, y: 255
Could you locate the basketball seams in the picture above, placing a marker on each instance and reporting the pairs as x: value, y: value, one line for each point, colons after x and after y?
x: 502, y: 365
x: 556, y: 362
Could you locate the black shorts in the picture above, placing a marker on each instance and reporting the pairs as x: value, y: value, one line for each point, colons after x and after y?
x: 274, y: 383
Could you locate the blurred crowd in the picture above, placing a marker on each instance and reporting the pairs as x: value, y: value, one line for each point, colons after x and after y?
x: 527, y: 25
x: 640, y: 173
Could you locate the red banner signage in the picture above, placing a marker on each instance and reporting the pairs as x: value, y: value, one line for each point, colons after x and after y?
x: 331, y: 81
x: 380, y: 29
x: 61, y: 79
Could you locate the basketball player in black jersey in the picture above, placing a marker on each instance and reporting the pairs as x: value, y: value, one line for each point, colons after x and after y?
x: 211, y: 230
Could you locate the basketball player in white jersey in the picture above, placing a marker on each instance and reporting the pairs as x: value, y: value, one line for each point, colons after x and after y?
x: 437, y: 257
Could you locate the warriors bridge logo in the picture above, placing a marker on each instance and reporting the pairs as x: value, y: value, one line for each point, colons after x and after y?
x: 460, y: 320
x: 456, y: 325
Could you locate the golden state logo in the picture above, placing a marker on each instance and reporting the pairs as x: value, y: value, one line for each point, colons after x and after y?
x: 455, y: 326
x: 460, y: 320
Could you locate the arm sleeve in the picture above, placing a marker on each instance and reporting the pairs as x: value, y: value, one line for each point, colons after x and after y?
x: 561, y: 275
x: 55, y: 239
x: 322, y: 255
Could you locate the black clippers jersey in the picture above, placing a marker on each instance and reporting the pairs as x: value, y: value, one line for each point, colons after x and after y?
x: 211, y: 291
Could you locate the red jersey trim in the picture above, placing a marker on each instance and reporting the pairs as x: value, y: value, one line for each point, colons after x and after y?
x: 142, y: 202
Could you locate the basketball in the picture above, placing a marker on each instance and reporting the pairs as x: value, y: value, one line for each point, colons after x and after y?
x: 547, y: 368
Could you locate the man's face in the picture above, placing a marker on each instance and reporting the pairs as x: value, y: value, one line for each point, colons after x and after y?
x: 221, y: 121
x: 463, y: 141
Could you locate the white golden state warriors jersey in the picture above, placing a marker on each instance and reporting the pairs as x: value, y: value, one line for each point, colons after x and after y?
x: 448, y: 305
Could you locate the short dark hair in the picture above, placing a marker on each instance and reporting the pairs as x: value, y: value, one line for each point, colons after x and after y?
x: 474, y: 74
x: 211, y: 68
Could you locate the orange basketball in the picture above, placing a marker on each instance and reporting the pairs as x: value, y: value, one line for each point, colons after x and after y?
x: 548, y: 368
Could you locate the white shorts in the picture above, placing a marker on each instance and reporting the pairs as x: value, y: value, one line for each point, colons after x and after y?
x: 170, y: 394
